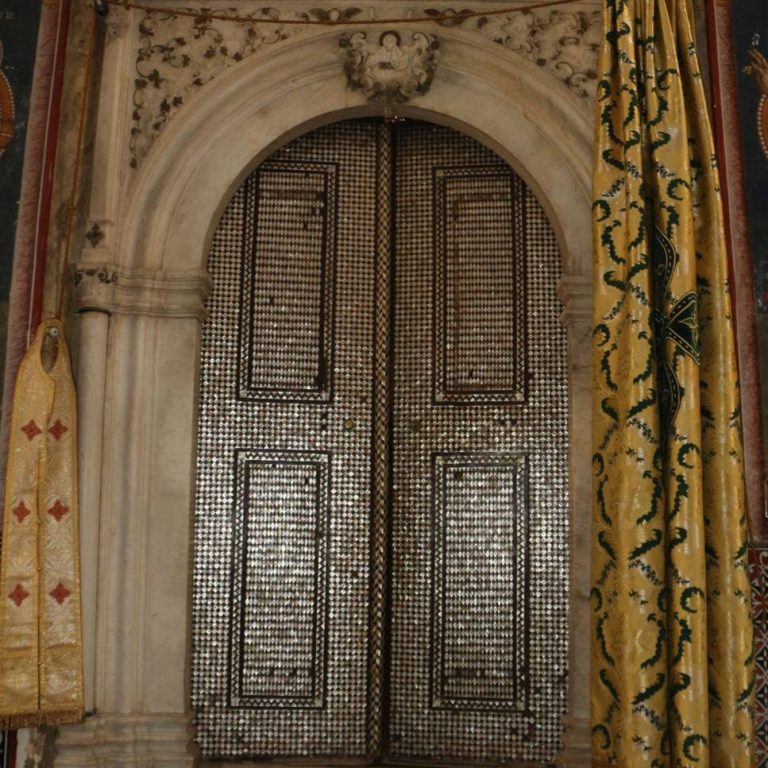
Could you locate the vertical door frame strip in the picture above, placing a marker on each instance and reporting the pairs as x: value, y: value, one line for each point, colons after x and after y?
x: 381, y: 449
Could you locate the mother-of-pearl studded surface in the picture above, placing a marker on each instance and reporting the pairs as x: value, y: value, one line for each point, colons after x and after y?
x: 326, y: 471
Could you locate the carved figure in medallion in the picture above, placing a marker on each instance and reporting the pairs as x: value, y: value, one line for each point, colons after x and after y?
x: 388, y: 70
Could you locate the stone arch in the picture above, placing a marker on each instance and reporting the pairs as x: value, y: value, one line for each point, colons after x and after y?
x: 140, y: 336
x: 225, y: 130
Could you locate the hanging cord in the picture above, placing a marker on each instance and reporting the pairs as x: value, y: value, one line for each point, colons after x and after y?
x: 73, y: 193
x: 449, y: 17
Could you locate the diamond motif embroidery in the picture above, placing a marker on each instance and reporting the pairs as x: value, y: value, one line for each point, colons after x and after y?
x: 59, y: 593
x: 19, y: 595
x: 57, y: 430
x: 31, y: 430
x: 21, y: 511
x: 58, y: 510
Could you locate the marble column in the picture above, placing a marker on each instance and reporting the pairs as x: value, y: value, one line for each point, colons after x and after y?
x: 138, y: 360
x: 576, y: 294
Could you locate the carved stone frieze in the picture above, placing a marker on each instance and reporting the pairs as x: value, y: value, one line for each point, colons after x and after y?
x: 387, y: 68
x: 565, y: 43
x: 181, y: 50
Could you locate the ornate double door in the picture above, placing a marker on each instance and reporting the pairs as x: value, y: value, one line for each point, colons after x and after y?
x: 381, y: 523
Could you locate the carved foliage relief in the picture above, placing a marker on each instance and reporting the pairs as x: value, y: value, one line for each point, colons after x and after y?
x: 181, y: 50
x: 179, y: 53
x: 565, y: 43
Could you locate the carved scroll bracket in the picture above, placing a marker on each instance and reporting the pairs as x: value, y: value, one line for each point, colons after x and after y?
x: 388, y: 68
x: 106, y: 288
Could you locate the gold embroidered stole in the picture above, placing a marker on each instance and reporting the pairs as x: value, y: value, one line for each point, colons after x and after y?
x: 41, y: 679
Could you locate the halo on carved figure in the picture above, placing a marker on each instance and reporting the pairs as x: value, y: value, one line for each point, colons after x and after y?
x: 389, y: 33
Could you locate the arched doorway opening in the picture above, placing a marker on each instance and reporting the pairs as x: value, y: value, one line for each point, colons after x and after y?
x: 381, y: 545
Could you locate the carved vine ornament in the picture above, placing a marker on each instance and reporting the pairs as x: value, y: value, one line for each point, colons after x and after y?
x: 178, y: 53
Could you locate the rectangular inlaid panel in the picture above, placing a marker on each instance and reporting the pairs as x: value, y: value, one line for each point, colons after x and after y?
x: 287, y: 311
x: 479, y: 573
x: 479, y: 301
x: 277, y: 639
x: 479, y: 640
x: 282, y: 557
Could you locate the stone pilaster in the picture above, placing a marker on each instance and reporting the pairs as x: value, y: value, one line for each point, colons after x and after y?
x: 576, y: 294
x: 137, y: 384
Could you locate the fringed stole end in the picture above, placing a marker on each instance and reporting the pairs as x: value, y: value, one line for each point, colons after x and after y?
x: 12, y: 722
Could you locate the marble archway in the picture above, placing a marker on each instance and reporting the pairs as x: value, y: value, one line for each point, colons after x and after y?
x: 141, y: 290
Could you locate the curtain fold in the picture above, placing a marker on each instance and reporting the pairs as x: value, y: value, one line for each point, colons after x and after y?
x: 672, y: 668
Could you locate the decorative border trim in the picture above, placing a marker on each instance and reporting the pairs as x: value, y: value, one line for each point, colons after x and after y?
x: 725, y: 124
x: 758, y: 576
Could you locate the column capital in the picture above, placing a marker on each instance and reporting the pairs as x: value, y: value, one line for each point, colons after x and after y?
x: 575, y: 292
x: 105, y: 287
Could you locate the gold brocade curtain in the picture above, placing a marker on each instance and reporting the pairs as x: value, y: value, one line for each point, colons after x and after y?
x: 672, y: 668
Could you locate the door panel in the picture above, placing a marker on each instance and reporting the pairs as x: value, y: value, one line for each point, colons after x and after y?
x: 290, y: 276
x: 479, y: 496
x: 480, y: 532
x: 381, y: 522
x: 281, y: 579
x: 479, y: 284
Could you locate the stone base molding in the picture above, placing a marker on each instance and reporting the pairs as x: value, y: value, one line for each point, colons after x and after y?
x: 164, y: 741
x: 127, y: 741
x: 577, y: 744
